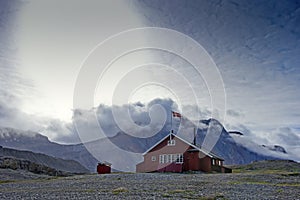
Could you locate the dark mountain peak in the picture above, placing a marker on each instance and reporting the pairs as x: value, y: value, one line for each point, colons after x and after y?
x: 205, y: 121
x: 235, y: 132
x: 276, y: 148
x: 210, y: 121
x: 213, y: 126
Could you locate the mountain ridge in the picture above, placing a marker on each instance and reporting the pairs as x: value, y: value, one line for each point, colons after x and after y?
x: 228, y: 146
x: 60, y: 164
x: 14, y: 138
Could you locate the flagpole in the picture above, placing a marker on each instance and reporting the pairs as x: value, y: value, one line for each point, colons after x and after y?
x: 171, y: 124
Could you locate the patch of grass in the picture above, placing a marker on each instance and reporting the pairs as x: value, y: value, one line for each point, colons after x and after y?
x: 279, y: 191
x: 259, y: 171
x: 264, y: 183
x: 166, y: 195
x: 288, y: 184
x: 6, y: 181
x: 208, y: 198
x: 122, y: 173
x: 177, y: 191
x: 291, y: 174
x: 119, y: 190
x: 268, y: 167
x: 220, y: 196
x: 213, y: 197
x: 250, y: 182
x: 189, y: 194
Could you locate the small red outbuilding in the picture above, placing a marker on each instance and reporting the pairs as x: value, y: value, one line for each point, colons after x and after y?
x: 104, y: 168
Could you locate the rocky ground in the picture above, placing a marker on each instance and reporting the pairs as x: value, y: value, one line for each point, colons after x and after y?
x: 154, y: 186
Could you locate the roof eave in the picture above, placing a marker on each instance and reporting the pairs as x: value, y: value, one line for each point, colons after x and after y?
x: 194, y: 146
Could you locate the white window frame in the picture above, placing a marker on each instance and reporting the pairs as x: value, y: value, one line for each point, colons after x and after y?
x: 166, y: 158
x: 179, y: 158
x: 171, y: 142
x: 161, y: 158
x: 153, y: 158
x: 171, y: 158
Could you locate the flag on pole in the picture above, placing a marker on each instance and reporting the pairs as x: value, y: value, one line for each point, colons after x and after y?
x: 176, y: 114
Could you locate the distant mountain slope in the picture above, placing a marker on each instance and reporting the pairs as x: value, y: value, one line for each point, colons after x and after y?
x: 31, y: 141
x: 233, y: 148
x: 227, y: 146
x: 11, y: 175
x: 11, y: 163
x: 229, y: 149
x: 44, y: 160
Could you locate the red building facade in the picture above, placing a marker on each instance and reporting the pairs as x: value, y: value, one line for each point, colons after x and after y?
x: 104, y: 168
x: 173, y: 154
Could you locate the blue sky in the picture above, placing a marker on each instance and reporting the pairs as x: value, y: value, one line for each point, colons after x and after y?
x: 255, y: 45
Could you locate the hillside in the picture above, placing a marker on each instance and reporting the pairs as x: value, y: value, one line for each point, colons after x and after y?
x: 25, y: 159
x: 31, y: 141
x: 269, y: 166
x: 12, y: 163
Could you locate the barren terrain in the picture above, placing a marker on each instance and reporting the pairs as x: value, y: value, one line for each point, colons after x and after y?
x: 155, y: 186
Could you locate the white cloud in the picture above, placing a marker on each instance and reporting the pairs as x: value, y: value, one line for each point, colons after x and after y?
x: 255, y: 45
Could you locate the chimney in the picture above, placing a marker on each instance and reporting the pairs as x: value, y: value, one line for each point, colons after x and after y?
x: 194, y: 141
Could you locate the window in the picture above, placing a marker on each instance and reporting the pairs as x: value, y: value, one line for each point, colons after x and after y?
x: 153, y: 158
x: 161, y: 159
x: 170, y: 158
x: 174, y: 158
x: 213, y: 161
x: 166, y: 158
x: 179, y: 158
x: 171, y: 142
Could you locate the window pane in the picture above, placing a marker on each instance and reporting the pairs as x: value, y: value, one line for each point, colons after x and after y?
x: 171, y: 142
x: 173, y: 157
x: 161, y: 159
x: 179, y: 158
x: 153, y: 158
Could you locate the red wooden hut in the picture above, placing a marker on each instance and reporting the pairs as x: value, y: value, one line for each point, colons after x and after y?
x: 104, y: 168
x: 174, y: 154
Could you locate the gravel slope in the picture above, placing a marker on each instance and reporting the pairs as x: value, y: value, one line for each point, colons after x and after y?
x: 157, y: 186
